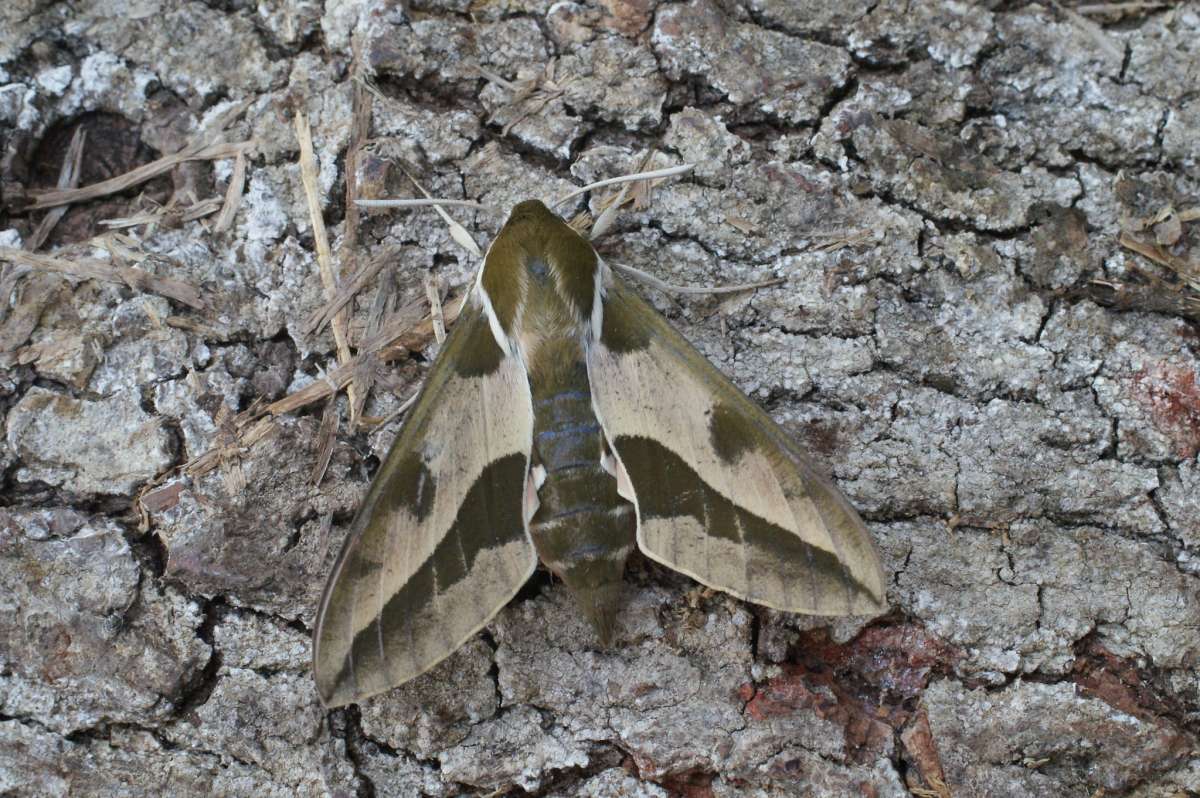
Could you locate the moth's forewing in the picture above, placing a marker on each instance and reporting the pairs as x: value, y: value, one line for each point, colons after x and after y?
x: 722, y: 494
x: 439, y: 544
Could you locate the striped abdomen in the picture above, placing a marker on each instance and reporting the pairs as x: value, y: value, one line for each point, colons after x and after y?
x: 583, y: 530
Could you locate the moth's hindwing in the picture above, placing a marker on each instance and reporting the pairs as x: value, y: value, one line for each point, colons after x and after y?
x: 440, y: 542
x: 722, y: 494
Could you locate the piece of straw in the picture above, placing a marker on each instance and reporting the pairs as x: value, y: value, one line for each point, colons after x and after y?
x: 92, y: 269
x: 233, y: 195
x: 309, y: 176
x: 68, y: 178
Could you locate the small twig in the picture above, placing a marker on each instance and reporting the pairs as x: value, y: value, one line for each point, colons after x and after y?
x: 215, y: 152
x: 197, y: 211
x: 832, y: 242
x: 68, y: 178
x: 743, y: 226
x: 397, y: 337
x: 231, y: 463
x: 233, y: 195
x: 400, y: 334
x: 348, y: 291
x: 529, y: 95
x: 499, y: 81
x: 1117, y: 8
x: 226, y: 449
x: 92, y: 269
x: 401, y: 410
x: 309, y: 177
x: 326, y: 438
x: 435, y: 308
x: 236, y: 435
x: 1188, y: 272
x: 204, y: 146
x: 640, y: 190
x: 1153, y: 296
x: 651, y: 280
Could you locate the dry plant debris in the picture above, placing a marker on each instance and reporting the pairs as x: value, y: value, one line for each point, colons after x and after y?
x: 93, y: 269
x: 68, y: 178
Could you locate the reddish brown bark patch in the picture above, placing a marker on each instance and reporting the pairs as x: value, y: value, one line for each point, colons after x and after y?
x: 1172, y: 397
x: 627, y: 17
x: 692, y: 784
x: 1117, y: 682
x: 867, y: 686
x: 894, y: 662
x: 868, y: 729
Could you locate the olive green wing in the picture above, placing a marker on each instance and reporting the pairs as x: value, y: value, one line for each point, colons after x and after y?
x: 722, y: 494
x: 440, y: 543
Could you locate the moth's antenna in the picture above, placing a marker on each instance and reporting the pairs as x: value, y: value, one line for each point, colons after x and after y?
x: 421, y: 203
x: 457, y: 231
x: 670, y: 171
x: 650, y: 279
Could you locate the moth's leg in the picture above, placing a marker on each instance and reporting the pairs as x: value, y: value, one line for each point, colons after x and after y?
x: 533, y: 483
x: 610, y: 463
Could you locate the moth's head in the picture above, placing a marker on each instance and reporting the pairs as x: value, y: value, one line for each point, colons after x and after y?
x: 531, y: 212
x: 532, y: 229
x: 540, y: 279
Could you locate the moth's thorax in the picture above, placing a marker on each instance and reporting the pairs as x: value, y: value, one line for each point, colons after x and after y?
x: 540, y: 279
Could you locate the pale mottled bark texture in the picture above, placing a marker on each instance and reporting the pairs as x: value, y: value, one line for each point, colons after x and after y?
x: 1005, y: 390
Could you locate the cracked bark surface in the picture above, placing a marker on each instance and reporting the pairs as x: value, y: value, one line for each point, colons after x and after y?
x: 941, y: 184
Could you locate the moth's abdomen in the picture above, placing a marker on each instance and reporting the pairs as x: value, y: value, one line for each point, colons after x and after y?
x: 583, y: 530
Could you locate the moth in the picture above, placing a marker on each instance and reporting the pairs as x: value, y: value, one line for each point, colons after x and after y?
x: 565, y: 421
